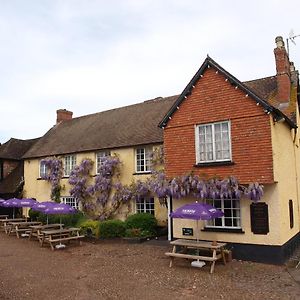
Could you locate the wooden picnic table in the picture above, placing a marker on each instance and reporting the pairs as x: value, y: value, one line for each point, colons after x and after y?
x: 181, y: 247
x: 35, y: 230
x: 56, y: 236
x: 5, y: 223
x: 4, y: 216
x: 18, y: 227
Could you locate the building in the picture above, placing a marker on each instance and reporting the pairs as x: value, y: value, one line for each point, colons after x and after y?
x: 220, y: 126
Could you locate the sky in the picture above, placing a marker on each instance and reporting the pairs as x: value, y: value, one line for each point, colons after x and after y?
x: 88, y: 56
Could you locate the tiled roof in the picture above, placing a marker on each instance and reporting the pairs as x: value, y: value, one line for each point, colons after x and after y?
x: 121, y: 127
x: 15, y: 148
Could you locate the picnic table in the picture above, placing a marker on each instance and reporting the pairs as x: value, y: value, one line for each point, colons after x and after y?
x: 5, y: 223
x: 181, y: 247
x: 35, y: 230
x: 21, y: 226
x: 56, y: 236
x: 3, y: 216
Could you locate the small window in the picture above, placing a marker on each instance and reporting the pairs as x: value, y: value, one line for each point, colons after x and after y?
x: 213, y: 143
x: 100, y: 156
x: 291, y: 209
x: 231, y: 210
x: 70, y: 201
x: 70, y: 163
x: 43, y: 169
x: 145, y: 205
x: 143, y: 159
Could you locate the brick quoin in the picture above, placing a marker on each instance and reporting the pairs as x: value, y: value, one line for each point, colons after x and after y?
x: 213, y: 100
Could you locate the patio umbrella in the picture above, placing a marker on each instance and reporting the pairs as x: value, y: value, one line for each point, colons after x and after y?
x: 41, y: 206
x: 60, y: 209
x: 16, y: 202
x: 197, y: 211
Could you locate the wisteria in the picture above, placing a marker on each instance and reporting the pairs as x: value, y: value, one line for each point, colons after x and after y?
x: 54, y: 174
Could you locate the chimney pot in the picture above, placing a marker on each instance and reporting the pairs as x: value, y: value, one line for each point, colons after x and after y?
x: 279, y: 42
x: 63, y: 115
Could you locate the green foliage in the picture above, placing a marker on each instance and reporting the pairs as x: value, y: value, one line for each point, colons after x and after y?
x: 112, y: 228
x: 89, y: 227
x: 137, y: 232
x: 142, y: 221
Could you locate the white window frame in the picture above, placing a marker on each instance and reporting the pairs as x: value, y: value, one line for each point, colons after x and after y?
x: 72, y: 201
x: 99, y: 158
x: 234, y: 216
x: 197, y: 142
x: 43, y: 167
x: 147, y: 160
x: 141, y: 206
x: 69, y: 164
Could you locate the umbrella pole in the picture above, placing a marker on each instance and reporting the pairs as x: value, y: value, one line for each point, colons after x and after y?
x: 198, y: 237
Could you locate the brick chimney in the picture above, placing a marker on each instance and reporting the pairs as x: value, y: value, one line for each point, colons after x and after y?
x: 283, y: 71
x: 63, y: 115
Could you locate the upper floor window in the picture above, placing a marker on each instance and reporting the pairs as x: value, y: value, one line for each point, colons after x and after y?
x: 100, y: 156
x: 145, y: 205
x: 143, y: 159
x: 213, y: 142
x: 43, y: 169
x: 70, y: 163
x: 232, y: 213
x: 70, y: 201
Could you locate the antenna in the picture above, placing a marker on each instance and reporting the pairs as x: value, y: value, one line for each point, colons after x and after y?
x: 291, y: 37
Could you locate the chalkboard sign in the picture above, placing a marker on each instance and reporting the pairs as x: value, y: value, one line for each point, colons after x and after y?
x: 259, y: 218
x: 187, y: 231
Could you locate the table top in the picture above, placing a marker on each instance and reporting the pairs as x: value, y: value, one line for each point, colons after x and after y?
x: 57, y: 231
x: 24, y: 223
x: 3, y: 216
x: 13, y: 220
x: 37, y: 227
x: 197, y: 244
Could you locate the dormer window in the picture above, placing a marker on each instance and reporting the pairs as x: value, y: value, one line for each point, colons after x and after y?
x: 213, y: 142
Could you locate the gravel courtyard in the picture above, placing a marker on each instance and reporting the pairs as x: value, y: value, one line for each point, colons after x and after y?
x: 117, y: 270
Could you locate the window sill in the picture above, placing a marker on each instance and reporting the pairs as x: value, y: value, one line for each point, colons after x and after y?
x: 142, y: 173
x: 226, y: 230
x: 214, y: 164
x: 40, y: 178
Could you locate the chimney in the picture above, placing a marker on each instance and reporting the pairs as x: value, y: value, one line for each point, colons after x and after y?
x: 283, y: 71
x: 63, y: 115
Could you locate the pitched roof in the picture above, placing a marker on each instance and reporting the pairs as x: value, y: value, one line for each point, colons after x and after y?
x: 15, y: 148
x: 121, y: 127
x: 13, y: 182
x: 261, y: 90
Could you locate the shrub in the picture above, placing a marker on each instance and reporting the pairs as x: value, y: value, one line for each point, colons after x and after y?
x: 111, y: 228
x: 89, y: 227
x: 142, y: 221
x: 137, y: 232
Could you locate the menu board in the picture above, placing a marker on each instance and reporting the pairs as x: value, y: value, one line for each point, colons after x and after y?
x: 259, y: 218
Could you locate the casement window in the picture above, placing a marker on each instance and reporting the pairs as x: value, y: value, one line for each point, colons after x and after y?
x: 69, y: 164
x: 145, y: 205
x: 70, y: 201
x: 43, y: 169
x: 232, y: 213
x: 100, y: 156
x: 213, y: 142
x: 143, y: 159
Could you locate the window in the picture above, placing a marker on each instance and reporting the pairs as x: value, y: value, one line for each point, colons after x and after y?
x: 70, y: 162
x: 100, y: 158
x: 145, y: 205
x: 43, y: 169
x: 213, y: 142
x: 232, y: 213
x: 143, y: 159
x: 69, y: 200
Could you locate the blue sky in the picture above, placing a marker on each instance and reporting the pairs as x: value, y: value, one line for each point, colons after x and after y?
x: 91, y: 55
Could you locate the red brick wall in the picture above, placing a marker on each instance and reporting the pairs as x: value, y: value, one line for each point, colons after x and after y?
x: 213, y: 99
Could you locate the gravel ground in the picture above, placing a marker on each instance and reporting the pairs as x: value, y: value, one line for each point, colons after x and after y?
x: 117, y: 270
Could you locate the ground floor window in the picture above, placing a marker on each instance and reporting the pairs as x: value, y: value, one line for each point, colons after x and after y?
x: 145, y: 205
x: 70, y: 200
x: 232, y: 213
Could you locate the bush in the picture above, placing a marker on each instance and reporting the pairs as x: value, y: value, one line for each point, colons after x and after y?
x: 137, y: 232
x: 144, y: 222
x: 111, y: 228
x: 89, y: 228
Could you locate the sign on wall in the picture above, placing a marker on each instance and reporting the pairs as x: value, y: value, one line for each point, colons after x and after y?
x: 259, y: 218
x: 187, y: 231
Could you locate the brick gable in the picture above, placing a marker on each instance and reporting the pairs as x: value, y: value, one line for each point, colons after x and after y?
x: 213, y: 99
